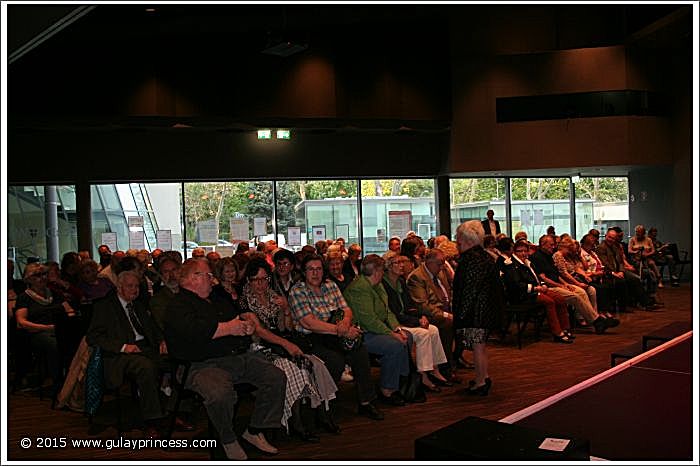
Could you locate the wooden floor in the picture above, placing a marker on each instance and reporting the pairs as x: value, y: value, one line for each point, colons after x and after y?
x: 520, y: 378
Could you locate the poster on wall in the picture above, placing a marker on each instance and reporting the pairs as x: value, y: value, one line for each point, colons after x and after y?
x: 164, y: 240
x: 399, y: 223
x: 239, y: 229
x: 525, y: 218
x: 208, y: 231
x: 135, y: 222
x: 294, y: 236
x: 110, y: 239
x: 136, y: 240
x: 342, y: 231
x: 318, y: 232
x: 259, y: 226
x: 381, y: 235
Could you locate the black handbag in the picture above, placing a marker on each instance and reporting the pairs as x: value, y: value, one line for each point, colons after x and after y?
x: 346, y: 344
x: 412, y: 388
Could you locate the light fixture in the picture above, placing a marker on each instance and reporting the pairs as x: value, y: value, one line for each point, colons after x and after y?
x: 283, y: 134
x: 264, y: 134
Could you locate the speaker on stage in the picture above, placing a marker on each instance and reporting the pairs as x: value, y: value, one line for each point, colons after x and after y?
x: 474, y: 438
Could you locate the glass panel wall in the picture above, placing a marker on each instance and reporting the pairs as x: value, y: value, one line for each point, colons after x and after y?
x: 470, y: 198
x: 322, y: 209
x: 537, y: 203
x: 220, y: 215
x: 602, y: 203
x: 30, y: 233
x: 136, y: 212
x: 393, y: 207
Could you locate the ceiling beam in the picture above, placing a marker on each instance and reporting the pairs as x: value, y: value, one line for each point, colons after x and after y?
x: 49, y: 32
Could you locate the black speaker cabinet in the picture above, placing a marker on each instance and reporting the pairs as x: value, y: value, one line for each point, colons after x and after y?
x: 474, y: 438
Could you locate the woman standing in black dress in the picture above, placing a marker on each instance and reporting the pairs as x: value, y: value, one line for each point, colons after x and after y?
x: 478, y: 300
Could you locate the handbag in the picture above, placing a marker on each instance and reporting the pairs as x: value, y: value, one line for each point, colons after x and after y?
x: 347, y: 344
x: 412, y: 388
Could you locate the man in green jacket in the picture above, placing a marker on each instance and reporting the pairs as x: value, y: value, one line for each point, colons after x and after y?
x: 382, y: 333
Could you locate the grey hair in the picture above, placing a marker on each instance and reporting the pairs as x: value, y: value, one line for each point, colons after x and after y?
x: 127, y: 273
x: 470, y: 232
x: 370, y: 264
x: 388, y: 256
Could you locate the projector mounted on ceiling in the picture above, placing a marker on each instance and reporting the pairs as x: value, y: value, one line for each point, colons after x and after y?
x: 285, y: 48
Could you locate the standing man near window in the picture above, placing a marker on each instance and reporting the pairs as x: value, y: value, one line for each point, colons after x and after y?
x: 491, y: 226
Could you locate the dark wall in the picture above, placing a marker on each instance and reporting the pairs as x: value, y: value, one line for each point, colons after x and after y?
x: 187, y: 153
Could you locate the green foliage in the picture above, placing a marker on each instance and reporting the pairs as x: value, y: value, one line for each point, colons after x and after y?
x: 398, y: 187
x: 466, y: 190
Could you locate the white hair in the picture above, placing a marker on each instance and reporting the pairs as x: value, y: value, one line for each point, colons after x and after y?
x: 470, y: 233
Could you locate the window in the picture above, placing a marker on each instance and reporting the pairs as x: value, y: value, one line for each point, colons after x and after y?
x: 30, y: 233
x: 393, y: 207
x: 470, y: 198
x: 322, y: 209
x: 219, y: 215
x: 537, y: 203
x: 157, y: 204
x: 602, y: 203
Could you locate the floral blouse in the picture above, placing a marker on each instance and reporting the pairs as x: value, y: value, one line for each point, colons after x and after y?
x: 268, y: 313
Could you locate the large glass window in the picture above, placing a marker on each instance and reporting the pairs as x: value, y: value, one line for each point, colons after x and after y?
x: 537, y: 203
x: 470, y: 198
x: 321, y: 209
x: 152, y: 207
x: 602, y: 203
x: 393, y: 207
x: 220, y: 215
x: 41, y: 223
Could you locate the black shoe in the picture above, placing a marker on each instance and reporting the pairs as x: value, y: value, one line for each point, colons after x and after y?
x: 370, y: 411
x: 431, y: 388
x: 395, y: 399
x: 612, y: 322
x: 306, y: 435
x: 420, y: 397
x: 329, y: 426
x: 483, y: 390
x: 438, y: 382
x: 600, y: 325
x: 569, y: 334
x: 562, y: 339
x: 182, y: 425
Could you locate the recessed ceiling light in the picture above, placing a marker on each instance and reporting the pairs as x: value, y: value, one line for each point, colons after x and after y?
x: 150, y: 10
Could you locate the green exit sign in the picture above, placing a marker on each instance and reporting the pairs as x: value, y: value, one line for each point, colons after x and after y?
x: 264, y: 134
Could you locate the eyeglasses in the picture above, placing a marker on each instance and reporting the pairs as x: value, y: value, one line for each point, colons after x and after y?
x: 260, y: 279
x: 314, y: 269
x: 209, y: 274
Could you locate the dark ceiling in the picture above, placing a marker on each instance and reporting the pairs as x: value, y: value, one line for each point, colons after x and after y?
x: 254, y: 26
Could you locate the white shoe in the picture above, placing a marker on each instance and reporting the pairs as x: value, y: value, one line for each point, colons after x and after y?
x: 234, y: 451
x: 346, y: 376
x: 260, y: 442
